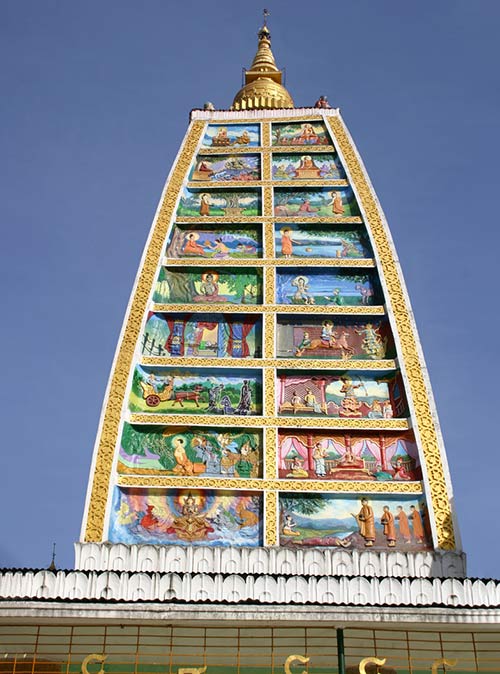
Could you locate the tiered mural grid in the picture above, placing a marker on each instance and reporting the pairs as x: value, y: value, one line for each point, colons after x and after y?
x: 266, y: 404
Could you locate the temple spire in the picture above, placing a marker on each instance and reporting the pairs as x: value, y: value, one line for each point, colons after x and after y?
x: 263, y: 81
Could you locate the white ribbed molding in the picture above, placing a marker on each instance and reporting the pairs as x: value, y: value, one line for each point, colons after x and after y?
x: 312, y: 562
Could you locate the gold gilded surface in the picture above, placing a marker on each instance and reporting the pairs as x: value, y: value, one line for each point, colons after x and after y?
x: 299, y: 364
x: 259, y: 484
x: 259, y: 421
x: 250, y: 220
x: 256, y: 308
x: 267, y: 202
x: 270, y: 450
x: 417, y: 387
x: 269, y: 393
x: 269, y: 340
x: 309, y: 184
x: 266, y: 134
x: 271, y: 517
x: 268, y: 241
x: 269, y: 293
x: 262, y: 262
x: 94, y: 530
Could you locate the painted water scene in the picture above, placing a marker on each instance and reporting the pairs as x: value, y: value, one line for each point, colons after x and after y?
x: 306, y: 241
x: 223, y: 203
x: 186, y: 517
x: 300, y: 133
x: 326, y: 455
x: 190, y: 451
x: 218, y: 242
x: 337, y: 337
x: 346, y: 395
x: 203, y: 335
x: 319, y: 202
x: 232, y: 135
x: 198, y: 285
x: 389, y: 522
x: 171, y: 390
x: 316, y: 166
x: 325, y: 287
x: 215, y: 168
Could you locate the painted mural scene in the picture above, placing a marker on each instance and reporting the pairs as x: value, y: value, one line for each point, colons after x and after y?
x: 300, y: 133
x: 316, y: 166
x: 203, y: 335
x: 219, y: 242
x: 186, y: 517
x: 325, y: 287
x: 389, y: 522
x: 216, y: 168
x: 305, y: 241
x: 189, y: 451
x: 313, y: 203
x: 335, y: 337
x: 198, y: 285
x: 232, y: 135
x: 196, y: 391
x: 327, y: 455
x: 220, y: 203
x: 346, y: 395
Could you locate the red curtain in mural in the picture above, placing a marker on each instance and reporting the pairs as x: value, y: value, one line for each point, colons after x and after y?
x: 245, y: 330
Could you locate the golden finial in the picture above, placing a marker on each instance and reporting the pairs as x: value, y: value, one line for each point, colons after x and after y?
x: 263, y: 82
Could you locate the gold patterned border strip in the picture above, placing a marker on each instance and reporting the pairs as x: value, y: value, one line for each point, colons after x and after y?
x: 297, y: 363
x: 309, y: 184
x: 261, y: 421
x: 271, y: 517
x: 348, y: 487
x: 419, y: 394
x: 275, y: 149
x: 259, y: 308
x: 262, y: 262
x: 270, y: 449
x: 252, y: 220
x: 94, y: 529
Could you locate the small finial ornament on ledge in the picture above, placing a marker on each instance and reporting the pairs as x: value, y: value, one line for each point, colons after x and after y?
x: 52, y: 565
x: 322, y: 102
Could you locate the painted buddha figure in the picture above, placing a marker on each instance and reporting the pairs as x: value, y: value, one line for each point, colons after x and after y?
x: 190, y: 526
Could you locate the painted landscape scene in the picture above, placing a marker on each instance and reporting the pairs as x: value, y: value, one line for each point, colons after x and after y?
x: 300, y: 133
x: 221, y: 168
x: 389, y: 522
x: 168, y: 390
x: 326, y: 455
x: 190, y: 451
x: 348, y: 395
x: 337, y: 337
x: 307, y: 167
x: 234, y: 203
x: 186, y: 517
x: 305, y: 241
x: 203, y: 335
x: 189, y: 285
x: 321, y: 202
x: 232, y: 135
x: 325, y: 287
x: 218, y: 242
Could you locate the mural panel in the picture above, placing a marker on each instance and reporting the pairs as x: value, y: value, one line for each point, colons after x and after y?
x: 167, y: 390
x: 316, y: 166
x: 190, y: 451
x: 300, y: 133
x: 326, y: 287
x: 305, y: 240
x: 181, y: 285
x: 327, y: 455
x: 186, y: 517
x: 238, y: 167
x: 221, y: 203
x: 389, y: 522
x: 348, y: 395
x: 335, y: 337
x: 219, y: 242
x: 232, y: 135
x: 323, y: 202
x: 203, y: 335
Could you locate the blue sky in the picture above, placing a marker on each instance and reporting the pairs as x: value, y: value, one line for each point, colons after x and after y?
x: 95, y: 102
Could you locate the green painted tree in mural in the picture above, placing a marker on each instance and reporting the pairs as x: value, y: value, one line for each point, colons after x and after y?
x: 305, y: 505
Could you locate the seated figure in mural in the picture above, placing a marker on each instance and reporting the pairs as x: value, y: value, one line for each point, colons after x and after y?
x: 289, y: 525
x: 400, y: 472
x: 183, y: 466
x: 297, y: 468
x: 310, y: 401
x: 191, y: 247
x: 308, y: 135
x: 301, y: 294
x: 336, y: 203
x: 219, y: 248
x: 209, y: 289
x: 190, y: 526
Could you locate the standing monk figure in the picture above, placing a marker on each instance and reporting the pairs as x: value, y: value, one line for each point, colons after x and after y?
x: 366, y: 521
x: 387, y: 520
x: 404, y: 527
x: 418, y: 527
